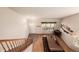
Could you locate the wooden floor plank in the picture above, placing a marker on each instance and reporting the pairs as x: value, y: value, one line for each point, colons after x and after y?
x: 38, y: 44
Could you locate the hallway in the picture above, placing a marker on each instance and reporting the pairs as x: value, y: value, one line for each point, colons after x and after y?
x: 39, y: 29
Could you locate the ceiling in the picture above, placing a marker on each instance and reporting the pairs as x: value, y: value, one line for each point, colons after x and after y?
x: 46, y: 12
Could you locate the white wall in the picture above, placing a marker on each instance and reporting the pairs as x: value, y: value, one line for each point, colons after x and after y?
x: 12, y: 25
x: 72, y: 22
x: 35, y: 25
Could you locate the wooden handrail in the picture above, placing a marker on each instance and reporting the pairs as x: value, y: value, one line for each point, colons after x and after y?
x: 53, y: 46
x: 63, y: 44
x: 14, y: 45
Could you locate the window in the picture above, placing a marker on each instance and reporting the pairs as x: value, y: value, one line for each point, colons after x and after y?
x: 48, y: 26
